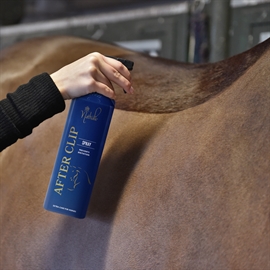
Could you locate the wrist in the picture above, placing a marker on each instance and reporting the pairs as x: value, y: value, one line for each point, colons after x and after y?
x: 59, y: 84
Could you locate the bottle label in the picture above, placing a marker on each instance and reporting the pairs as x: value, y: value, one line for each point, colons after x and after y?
x: 78, y: 157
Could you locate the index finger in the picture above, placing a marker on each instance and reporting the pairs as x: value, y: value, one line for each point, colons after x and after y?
x: 118, y: 73
x: 120, y: 65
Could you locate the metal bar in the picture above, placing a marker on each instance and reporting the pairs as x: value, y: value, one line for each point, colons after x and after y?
x: 242, y: 3
x: 220, y: 19
x: 108, y: 17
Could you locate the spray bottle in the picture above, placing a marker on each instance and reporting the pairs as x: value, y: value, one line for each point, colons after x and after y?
x: 79, y: 153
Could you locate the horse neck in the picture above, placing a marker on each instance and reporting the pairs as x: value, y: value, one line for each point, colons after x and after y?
x: 164, y: 86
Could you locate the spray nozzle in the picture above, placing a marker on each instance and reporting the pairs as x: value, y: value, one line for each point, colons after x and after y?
x: 129, y: 64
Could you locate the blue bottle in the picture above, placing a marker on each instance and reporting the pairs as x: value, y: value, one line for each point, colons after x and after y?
x: 79, y: 154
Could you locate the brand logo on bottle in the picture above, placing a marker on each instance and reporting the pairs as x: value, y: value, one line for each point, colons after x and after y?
x: 77, y: 174
x: 87, y: 114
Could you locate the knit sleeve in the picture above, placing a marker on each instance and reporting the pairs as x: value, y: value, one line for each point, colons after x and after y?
x: 27, y: 107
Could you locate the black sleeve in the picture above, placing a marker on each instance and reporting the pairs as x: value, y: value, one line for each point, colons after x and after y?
x: 27, y: 107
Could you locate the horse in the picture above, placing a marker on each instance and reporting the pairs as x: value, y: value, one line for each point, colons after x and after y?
x: 184, y: 179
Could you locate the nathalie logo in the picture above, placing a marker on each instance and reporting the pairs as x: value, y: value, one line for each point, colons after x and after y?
x: 87, y: 114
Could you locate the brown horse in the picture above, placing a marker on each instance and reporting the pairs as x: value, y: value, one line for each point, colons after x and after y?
x: 184, y: 181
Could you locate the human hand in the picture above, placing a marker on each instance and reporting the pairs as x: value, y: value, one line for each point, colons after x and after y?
x: 92, y: 73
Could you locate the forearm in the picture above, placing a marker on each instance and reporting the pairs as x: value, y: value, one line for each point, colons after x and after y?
x: 27, y: 107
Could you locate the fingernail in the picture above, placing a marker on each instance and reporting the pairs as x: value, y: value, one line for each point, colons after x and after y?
x: 131, y: 90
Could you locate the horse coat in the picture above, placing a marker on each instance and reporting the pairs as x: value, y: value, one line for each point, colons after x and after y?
x: 184, y: 180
